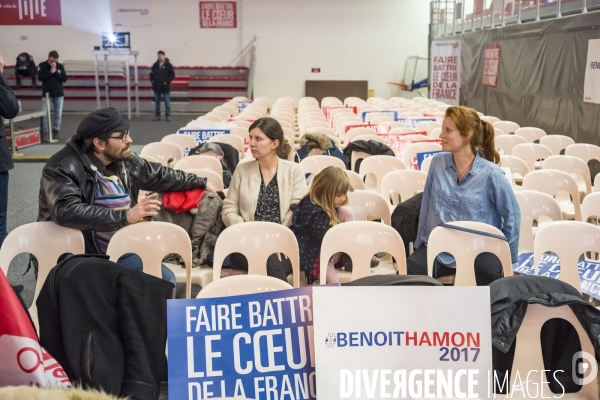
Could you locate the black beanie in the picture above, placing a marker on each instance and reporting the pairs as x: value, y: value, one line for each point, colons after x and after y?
x: 101, y: 121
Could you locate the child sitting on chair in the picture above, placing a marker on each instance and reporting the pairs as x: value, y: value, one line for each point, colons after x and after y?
x: 323, y: 207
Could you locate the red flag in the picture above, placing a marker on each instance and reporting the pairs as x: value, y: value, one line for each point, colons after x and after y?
x: 24, y: 361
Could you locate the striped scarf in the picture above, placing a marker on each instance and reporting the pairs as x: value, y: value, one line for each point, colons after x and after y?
x: 110, y: 193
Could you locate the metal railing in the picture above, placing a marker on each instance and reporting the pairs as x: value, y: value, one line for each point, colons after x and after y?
x: 246, y: 58
x: 452, y: 17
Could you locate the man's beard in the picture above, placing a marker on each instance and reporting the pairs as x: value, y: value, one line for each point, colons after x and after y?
x: 116, y: 155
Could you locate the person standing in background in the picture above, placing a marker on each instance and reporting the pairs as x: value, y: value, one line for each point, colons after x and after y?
x: 161, y: 77
x: 25, y: 66
x: 52, y: 75
x: 9, y: 108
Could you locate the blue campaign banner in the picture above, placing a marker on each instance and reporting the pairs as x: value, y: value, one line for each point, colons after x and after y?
x: 243, y: 104
x: 422, y: 156
x: 412, y: 122
x: 393, y: 114
x: 203, y: 135
x: 549, y: 265
x: 257, y: 346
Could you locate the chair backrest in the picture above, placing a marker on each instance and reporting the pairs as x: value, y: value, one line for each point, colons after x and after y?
x: 508, y: 127
x: 556, y: 143
x: 505, y: 143
x: 528, y: 354
x: 316, y: 164
x: 239, y: 131
x: 152, y: 241
x: 401, y: 185
x: 242, y: 284
x: 370, y: 137
x: 211, y: 176
x: 148, y: 158
x: 380, y: 119
x: 405, y: 129
x: 47, y: 242
x: 411, y: 151
x: 530, y: 153
x: 257, y: 240
x: 490, y: 119
x: 379, y: 166
x: 426, y: 164
x: 435, y: 133
x: 590, y: 207
x: 551, y: 181
x: 465, y: 247
x: 571, y: 165
x: 427, y: 126
x: 516, y: 165
x: 163, y: 152
x: 568, y: 240
x: 355, y: 156
x: 498, y: 132
x: 367, y: 204
x: 242, y: 123
x: 584, y: 151
x: 200, y: 162
x: 354, y: 132
x: 361, y: 240
x: 531, y: 134
x: 183, y: 141
x: 235, y: 141
x: 355, y: 180
x: 533, y: 204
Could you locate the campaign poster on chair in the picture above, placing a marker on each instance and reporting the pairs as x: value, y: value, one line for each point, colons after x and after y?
x: 445, y: 71
x: 257, y: 346
x: 402, y: 342
x: 591, y: 86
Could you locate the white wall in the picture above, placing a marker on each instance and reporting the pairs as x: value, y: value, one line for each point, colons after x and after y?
x: 347, y: 39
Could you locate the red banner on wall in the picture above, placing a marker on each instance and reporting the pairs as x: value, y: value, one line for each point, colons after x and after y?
x: 218, y: 14
x: 30, y: 12
x: 491, y: 64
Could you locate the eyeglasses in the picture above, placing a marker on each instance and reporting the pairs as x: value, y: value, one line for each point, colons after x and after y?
x: 123, y: 136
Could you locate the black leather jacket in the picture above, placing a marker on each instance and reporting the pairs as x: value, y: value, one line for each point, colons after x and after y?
x: 68, y: 185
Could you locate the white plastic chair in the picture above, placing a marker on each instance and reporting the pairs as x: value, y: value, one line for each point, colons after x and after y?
x: 149, y: 158
x: 370, y: 137
x: 517, y: 166
x: 426, y: 164
x: 498, y: 132
x: 428, y: 126
x: 257, y: 240
x: 411, y: 151
x: 352, y: 133
x: 400, y: 186
x: 233, y: 140
x: 590, y: 207
x: 586, y: 152
x: 556, y: 143
x: 181, y: 140
x: 568, y: 240
x: 355, y: 180
x: 152, y: 241
x: 47, y: 242
x: 381, y: 118
x: 241, y: 123
x: 211, y: 176
x: 507, y: 127
x: 163, y: 152
x: 465, y: 247
x: 316, y: 164
x: 574, y: 166
x: 435, y: 133
x: 242, y: 284
x: 506, y: 143
x: 528, y: 354
x: 559, y: 185
x: 366, y: 204
x: 361, y: 240
x: 200, y: 162
x: 239, y: 131
x: 404, y: 130
x: 531, y: 153
x: 531, y: 134
x: 379, y: 166
x: 355, y: 156
x: 490, y: 119
x: 534, y: 204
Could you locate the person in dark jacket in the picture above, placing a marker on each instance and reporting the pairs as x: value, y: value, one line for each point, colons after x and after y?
x: 25, y: 66
x: 93, y: 182
x: 366, y: 146
x: 320, y: 143
x: 323, y: 207
x: 52, y: 75
x: 9, y: 108
x: 161, y: 77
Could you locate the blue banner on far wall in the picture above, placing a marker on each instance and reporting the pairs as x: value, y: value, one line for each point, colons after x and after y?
x: 393, y: 114
x: 422, y: 156
x: 549, y: 265
x: 256, y: 346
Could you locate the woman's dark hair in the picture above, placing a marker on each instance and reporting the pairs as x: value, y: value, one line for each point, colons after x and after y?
x: 271, y: 128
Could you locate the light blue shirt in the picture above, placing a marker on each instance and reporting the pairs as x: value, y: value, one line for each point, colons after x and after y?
x: 483, y: 195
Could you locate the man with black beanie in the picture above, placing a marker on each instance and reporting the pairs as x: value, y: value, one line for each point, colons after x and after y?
x: 92, y: 184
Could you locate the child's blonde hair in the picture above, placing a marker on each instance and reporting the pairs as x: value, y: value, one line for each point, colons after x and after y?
x: 325, y: 186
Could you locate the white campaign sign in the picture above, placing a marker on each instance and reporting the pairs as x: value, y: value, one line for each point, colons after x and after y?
x: 591, y: 86
x: 402, y: 342
x: 445, y: 71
